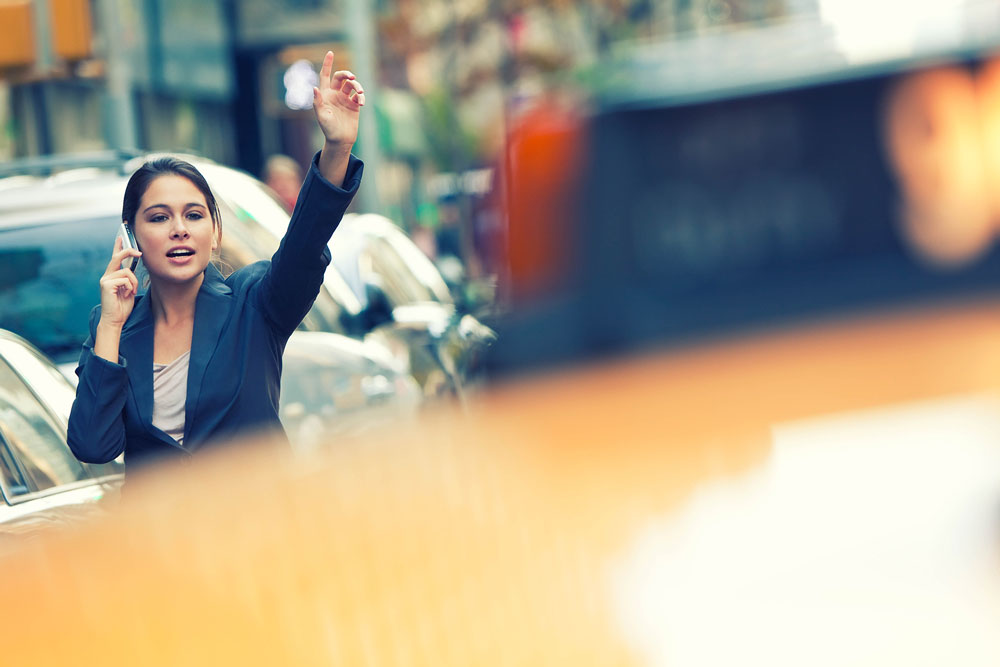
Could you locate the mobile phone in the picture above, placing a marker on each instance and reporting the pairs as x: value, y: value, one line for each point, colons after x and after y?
x: 128, y: 241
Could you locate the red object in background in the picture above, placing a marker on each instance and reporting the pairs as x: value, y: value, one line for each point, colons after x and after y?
x: 544, y: 158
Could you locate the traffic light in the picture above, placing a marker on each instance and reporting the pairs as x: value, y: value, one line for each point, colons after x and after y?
x: 70, y: 31
x: 17, y: 33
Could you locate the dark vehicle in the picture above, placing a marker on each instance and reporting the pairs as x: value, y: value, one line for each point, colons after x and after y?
x: 41, y: 483
x: 56, y: 234
x: 750, y: 190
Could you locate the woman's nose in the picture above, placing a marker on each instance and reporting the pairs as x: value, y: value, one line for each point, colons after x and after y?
x: 179, y: 229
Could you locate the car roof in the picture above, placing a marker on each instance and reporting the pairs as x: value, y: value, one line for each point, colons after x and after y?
x: 7, y: 335
x: 61, y: 187
x: 735, y: 61
x: 67, y: 195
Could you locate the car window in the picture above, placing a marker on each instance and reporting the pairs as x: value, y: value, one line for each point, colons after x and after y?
x: 44, y: 378
x: 420, y: 266
x: 34, y: 439
x: 379, y: 263
x: 52, y: 388
x: 12, y: 481
x: 49, y: 277
x: 250, y: 199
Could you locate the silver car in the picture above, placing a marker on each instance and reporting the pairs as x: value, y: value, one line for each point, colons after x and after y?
x: 41, y: 483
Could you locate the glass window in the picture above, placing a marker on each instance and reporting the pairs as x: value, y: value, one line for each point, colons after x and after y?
x: 370, y: 249
x: 12, y: 482
x: 379, y: 263
x: 420, y: 266
x: 34, y: 438
x: 49, y: 281
x: 44, y: 378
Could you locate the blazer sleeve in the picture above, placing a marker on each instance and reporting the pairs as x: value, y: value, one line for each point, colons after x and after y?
x: 96, y: 432
x: 293, y: 280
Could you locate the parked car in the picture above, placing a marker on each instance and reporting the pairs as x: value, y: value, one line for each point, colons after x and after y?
x: 405, y: 297
x: 332, y: 384
x: 42, y: 484
x: 385, y: 288
x: 56, y: 234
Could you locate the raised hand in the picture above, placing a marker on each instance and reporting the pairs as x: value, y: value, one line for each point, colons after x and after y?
x: 337, y: 103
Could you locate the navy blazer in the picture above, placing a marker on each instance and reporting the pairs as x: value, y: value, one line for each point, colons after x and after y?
x: 241, y: 325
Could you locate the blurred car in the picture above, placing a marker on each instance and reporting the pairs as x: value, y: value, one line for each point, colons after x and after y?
x: 405, y: 298
x: 386, y: 289
x: 56, y: 234
x: 748, y: 192
x: 333, y: 384
x: 41, y: 483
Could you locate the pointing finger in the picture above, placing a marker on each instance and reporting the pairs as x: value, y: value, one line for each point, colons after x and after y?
x: 325, y: 70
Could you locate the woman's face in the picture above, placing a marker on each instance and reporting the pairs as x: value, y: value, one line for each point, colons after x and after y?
x: 174, y: 229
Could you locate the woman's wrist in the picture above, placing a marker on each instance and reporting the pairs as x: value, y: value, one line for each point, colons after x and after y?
x: 109, y: 329
x: 106, y: 340
x: 339, y: 147
x: 333, y: 160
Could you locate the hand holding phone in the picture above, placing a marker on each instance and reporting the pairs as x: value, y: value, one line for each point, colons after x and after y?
x: 128, y: 242
x: 118, y: 286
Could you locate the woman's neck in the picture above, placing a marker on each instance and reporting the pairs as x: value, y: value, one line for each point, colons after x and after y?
x: 173, y: 303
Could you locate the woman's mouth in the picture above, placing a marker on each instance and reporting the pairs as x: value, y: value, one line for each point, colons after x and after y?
x: 180, y: 255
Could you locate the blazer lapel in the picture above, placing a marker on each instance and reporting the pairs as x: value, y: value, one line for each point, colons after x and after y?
x: 136, y: 346
x: 211, y: 312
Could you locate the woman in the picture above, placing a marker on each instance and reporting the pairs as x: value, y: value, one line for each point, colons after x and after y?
x: 197, y: 359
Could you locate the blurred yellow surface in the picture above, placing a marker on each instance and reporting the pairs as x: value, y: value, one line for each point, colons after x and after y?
x: 827, y: 495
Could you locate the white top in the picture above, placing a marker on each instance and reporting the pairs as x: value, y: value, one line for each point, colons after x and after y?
x: 169, y: 396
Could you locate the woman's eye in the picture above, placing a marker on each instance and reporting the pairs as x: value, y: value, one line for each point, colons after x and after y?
x: 158, y: 218
x: 195, y: 215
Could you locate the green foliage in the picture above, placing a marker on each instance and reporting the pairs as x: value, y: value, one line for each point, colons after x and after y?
x: 450, y: 146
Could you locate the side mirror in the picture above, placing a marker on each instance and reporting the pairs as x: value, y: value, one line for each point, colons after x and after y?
x: 377, y: 311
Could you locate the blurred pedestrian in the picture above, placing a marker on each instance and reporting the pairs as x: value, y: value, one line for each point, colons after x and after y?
x: 197, y: 358
x: 284, y: 176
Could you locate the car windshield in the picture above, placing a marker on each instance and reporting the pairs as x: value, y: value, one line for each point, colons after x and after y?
x: 362, y: 257
x: 49, y: 275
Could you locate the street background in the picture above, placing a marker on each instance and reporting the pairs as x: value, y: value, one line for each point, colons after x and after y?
x: 447, y: 82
